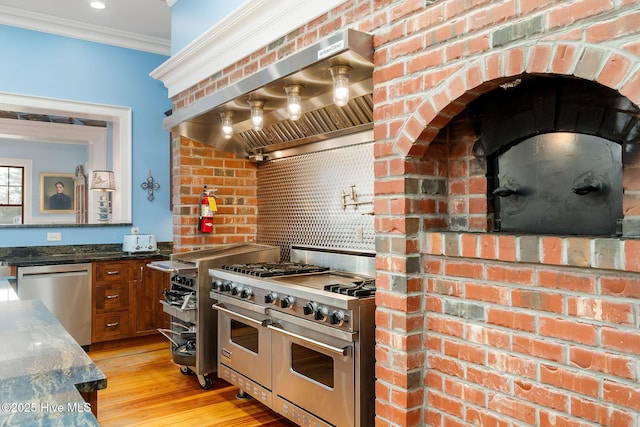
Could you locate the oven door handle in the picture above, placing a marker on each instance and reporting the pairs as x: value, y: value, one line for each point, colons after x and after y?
x: 344, y: 351
x: 220, y: 307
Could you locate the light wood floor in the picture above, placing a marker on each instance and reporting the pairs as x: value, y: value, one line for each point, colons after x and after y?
x: 145, y: 388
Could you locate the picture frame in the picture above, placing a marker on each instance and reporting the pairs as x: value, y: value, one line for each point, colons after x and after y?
x: 50, y: 203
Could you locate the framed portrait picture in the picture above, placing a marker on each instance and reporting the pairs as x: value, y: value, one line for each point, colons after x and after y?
x: 57, y: 193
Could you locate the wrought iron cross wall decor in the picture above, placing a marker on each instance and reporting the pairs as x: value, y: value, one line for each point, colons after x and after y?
x: 150, y: 185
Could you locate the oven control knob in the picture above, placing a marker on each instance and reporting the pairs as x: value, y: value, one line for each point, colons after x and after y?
x: 235, y: 290
x: 216, y: 284
x: 321, y: 314
x: 225, y: 286
x: 309, y: 308
x: 270, y: 298
x: 337, y: 318
x: 246, y: 293
x: 287, y: 302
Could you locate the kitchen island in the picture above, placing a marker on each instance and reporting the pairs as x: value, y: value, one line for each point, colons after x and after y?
x: 46, y: 378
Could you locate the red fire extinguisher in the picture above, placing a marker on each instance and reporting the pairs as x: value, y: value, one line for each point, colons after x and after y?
x: 207, y: 209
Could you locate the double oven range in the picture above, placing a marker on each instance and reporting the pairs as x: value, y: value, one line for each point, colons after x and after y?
x: 299, y: 336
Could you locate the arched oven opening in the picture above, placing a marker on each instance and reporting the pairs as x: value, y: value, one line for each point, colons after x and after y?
x: 551, y: 150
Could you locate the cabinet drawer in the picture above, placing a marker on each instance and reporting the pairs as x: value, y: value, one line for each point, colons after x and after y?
x: 111, y: 326
x: 112, y: 271
x: 111, y: 297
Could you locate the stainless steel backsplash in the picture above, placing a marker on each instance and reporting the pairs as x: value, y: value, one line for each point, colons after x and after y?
x: 300, y: 202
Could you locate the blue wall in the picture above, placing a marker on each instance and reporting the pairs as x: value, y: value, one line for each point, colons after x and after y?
x: 46, y: 65
x: 191, y: 18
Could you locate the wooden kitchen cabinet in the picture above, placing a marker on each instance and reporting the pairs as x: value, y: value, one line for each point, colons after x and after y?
x: 126, y: 299
x: 111, y: 296
x: 110, y: 326
x: 148, y: 313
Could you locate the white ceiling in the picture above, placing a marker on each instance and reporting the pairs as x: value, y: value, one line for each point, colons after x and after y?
x: 136, y: 24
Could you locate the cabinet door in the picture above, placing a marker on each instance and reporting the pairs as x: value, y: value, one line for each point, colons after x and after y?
x: 149, y: 313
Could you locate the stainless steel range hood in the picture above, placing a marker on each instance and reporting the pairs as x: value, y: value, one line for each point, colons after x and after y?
x: 321, y: 119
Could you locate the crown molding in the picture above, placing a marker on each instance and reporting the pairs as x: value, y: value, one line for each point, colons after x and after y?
x: 69, y: 28
x: 254, y: 24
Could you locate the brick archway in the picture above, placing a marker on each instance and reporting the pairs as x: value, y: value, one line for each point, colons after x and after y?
x: 432, y: 281
x: 590, y: 62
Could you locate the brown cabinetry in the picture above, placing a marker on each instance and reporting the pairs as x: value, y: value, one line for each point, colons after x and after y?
x: 125, y: 299
x: 148, y: 313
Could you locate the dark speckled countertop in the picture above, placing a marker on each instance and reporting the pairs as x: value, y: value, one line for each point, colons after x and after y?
x: 49, y: 255
x: 42, y: 369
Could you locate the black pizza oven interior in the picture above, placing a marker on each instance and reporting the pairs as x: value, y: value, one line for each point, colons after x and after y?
x: 552, y: 148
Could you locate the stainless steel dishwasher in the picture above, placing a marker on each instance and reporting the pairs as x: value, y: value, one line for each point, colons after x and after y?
x: 65, y: 289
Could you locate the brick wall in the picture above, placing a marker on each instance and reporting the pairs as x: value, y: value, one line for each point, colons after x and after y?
x: 196, y: 165
x: 475, y: 328
x: 532, y: 328
x: 479, y: 328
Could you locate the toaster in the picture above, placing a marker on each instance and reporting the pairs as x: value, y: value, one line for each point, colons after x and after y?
x: 134, y: 243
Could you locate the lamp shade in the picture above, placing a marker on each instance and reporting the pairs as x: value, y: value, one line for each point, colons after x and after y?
x: 227, y: 124
x: 257, y: 114
x: 294, y: 109
x: 103, y: 181
x: 340, y: 75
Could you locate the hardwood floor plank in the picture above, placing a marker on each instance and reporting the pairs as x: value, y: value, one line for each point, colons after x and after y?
x: 145, y: 388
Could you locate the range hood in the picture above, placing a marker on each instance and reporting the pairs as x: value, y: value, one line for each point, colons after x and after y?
x: 321, y: 120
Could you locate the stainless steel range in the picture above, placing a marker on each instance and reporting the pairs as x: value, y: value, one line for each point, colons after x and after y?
x: 299, y: 335
x: 189, y: 277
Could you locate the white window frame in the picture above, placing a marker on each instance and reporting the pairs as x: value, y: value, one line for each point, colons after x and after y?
x: 27, y: 166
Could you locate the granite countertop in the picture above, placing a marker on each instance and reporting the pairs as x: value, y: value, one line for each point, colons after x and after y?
x: 50, y: 255
x: 26, y: 256
x: 42, y: 369
x: 47, y: 259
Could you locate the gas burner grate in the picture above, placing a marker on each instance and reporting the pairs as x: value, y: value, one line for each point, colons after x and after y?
x: 274, y: 269
x: 358, y: 289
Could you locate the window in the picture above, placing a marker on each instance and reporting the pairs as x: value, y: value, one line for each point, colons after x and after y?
x: 11, y: 194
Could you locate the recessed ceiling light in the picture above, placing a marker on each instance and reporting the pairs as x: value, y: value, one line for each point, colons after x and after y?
x: 97, y: 5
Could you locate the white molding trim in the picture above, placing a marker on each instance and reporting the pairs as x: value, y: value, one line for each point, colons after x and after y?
x: 121, y: 153
x: 254, y: 24
x: 78, y: 30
